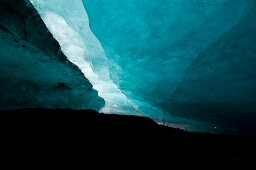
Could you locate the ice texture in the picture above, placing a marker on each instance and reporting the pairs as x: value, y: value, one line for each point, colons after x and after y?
x: 68, y: 22
x: 189, y: 58
x: 184, y: 63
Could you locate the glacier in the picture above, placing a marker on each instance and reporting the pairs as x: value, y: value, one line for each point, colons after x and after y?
x: 193, y: 59
x: 68, y: 22
x: 184, y: 63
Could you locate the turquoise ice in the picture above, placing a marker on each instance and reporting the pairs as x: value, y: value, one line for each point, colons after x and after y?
x: 188, y: 63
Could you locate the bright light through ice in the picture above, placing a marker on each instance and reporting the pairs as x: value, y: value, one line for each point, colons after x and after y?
x: 74, y: 48
x: 67, y: 20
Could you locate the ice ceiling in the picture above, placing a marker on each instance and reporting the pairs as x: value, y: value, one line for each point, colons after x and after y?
x: 185, y: 62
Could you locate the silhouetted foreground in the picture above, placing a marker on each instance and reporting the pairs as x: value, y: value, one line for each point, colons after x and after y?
x: 67, y: 133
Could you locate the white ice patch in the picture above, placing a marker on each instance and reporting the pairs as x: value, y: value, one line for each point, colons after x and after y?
x: 75, y: 49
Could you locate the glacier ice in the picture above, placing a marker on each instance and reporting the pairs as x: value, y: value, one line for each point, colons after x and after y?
x: 162, y: 52
x: 68, y: 22
x: 156, y: 58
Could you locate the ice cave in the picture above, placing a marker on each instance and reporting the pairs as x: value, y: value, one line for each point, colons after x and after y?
x: 184, y: 63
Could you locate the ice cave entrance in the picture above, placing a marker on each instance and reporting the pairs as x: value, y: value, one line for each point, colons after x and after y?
x: 67, y: 20
x: 145, y: 67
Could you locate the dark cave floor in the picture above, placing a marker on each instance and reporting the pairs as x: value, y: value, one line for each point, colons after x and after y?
x: 68, y: 133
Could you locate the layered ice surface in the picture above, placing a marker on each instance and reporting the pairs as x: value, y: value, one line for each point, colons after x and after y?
x: 191, y: 58
x: 171, y: 60
x: 68, y: 22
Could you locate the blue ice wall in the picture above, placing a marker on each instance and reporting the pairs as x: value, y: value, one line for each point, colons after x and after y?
x: 194, y: 59
x: 67, y: 20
